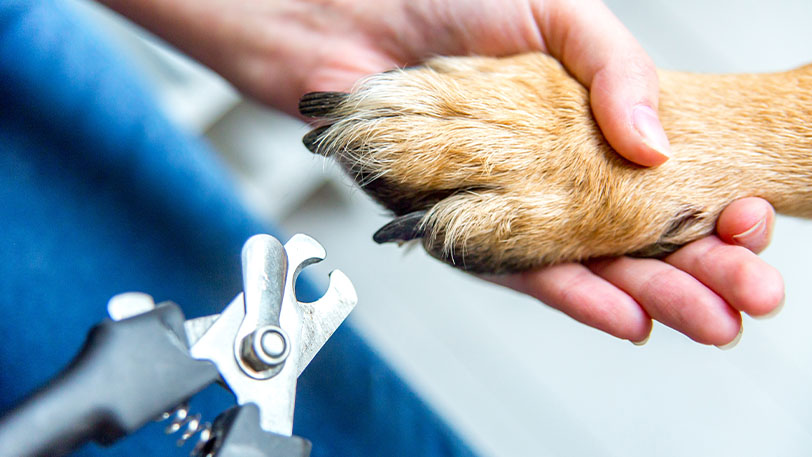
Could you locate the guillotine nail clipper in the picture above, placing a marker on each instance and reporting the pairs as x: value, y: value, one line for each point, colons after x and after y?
x: 148, y: 359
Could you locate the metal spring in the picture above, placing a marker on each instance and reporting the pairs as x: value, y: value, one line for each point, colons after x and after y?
x: 191, y: 425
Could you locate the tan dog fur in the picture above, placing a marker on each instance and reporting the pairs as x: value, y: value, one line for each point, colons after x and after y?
x: 506, y: 158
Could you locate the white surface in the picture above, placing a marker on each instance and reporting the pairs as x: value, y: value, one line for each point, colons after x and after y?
x: 264, y: 149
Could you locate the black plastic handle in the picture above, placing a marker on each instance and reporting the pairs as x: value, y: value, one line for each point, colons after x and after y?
x: 236, y: 433
x: 127, y: 373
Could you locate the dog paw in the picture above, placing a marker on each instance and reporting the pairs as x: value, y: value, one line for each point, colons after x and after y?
x: 498, y: 166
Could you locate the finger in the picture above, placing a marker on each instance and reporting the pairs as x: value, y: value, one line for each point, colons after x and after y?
x: 595, y: 46
x: 736, y: 274
x: 577, y: 292
x: 674, y: 298
x: 747, y: 222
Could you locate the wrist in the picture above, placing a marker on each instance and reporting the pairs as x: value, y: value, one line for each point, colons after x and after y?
x: 267, y: 50
x: 195, y: 27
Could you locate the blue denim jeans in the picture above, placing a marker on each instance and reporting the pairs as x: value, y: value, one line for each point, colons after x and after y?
x: 100, y: 194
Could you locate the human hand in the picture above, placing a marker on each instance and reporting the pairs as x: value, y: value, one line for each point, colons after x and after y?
x: 276, y: 51
x: 700, y: 290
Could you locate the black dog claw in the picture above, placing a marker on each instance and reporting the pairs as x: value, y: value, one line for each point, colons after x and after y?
x: 320, y: 104
x: 311, y: 139
x: 401, y: 228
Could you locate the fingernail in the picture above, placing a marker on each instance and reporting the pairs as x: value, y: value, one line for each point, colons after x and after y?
x: 774, y: 312
x: 732, y: 344
x: 752, y: 235
x: 643, y: 341
x: 648, y: 125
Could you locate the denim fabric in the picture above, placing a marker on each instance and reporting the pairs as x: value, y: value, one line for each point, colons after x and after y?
x: 100, y: 194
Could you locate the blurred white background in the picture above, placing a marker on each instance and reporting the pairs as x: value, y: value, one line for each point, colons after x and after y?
x: 512, y: 376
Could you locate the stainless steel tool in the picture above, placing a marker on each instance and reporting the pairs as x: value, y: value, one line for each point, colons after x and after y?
x: 147, y: 359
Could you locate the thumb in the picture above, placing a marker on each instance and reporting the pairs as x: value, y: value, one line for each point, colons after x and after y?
x: 622, y: 80
x: 747, y: 222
